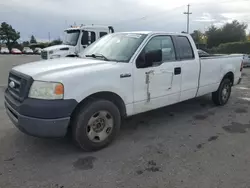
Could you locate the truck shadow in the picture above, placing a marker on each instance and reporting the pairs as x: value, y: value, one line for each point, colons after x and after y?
x: 186, y: 109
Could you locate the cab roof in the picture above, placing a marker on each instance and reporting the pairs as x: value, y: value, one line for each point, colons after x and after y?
x: 88, y: 27
x: 157, y: 32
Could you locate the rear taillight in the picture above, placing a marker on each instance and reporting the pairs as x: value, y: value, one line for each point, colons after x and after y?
x: 241, y: 66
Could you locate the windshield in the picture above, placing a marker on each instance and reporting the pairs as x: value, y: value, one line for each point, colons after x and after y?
x: 71, y: 37
x: 115, y: 47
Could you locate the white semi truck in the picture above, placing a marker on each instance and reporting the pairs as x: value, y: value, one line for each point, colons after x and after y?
x: 75, y: 40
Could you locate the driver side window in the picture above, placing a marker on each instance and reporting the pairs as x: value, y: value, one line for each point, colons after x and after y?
x: 157, y: 46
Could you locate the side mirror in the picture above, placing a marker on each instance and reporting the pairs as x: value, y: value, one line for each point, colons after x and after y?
x: 153, y: 57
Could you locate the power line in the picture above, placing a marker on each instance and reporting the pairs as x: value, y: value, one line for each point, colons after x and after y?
x: 188, y: 13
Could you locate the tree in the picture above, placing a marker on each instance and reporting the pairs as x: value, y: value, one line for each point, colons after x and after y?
x: 197, y: 36
x: 248, y: 37
x: 32, y: 39
x: 213, y: 37
x: 8, y: 35
x: 230, y: 32
x: 56, y: 42
x: 26, y: 43
x: 233, y: 32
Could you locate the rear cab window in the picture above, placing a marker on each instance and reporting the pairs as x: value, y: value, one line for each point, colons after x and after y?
x: 185, y: 49
x: 103, y: 34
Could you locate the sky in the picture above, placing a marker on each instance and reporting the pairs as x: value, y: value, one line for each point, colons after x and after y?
x: 44, y: 18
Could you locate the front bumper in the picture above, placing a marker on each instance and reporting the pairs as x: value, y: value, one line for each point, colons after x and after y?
x: 40, y: 118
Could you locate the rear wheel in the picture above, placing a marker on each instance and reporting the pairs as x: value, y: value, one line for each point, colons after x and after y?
x: 221, y: 96
x: 96, y: 125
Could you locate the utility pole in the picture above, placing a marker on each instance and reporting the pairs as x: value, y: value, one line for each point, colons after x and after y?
x: 188, y: 13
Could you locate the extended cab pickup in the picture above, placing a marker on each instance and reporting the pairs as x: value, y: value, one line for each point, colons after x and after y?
x: 120, y: 75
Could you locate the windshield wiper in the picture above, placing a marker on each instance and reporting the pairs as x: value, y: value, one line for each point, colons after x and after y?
x: 97, y: 55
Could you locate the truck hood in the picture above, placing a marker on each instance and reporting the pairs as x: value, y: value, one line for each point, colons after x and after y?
x: 57, y: 47
x: 41, y: 68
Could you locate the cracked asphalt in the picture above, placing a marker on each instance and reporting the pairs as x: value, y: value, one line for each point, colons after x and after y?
x: 192, y: 144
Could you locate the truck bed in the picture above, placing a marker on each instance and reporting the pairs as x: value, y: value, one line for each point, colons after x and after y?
x: 213, y: 68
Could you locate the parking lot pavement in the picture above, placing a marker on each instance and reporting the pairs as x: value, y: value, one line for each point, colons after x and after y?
x: 9, y: 61
x: 192, y: 144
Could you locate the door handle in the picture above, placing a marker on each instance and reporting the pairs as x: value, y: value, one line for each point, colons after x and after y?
x: 177, y: 70
x: 125, y: 75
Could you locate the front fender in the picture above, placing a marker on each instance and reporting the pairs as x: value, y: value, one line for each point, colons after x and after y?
x: 80, y: 94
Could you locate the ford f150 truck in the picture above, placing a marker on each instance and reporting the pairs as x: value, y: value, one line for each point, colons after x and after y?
x: 120, y: 75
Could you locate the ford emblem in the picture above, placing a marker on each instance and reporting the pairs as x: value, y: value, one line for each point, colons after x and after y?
x: 12, y: 84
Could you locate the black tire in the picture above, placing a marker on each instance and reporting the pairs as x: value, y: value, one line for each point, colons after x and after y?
x: 80, y: 124
x: 218, y: 97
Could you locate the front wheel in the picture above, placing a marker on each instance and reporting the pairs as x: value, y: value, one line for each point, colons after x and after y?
x: 221, y: 96
x: 96, y: 125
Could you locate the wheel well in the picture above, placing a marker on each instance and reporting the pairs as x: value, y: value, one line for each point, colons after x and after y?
x: 230, y: 76
x: 110, y: 96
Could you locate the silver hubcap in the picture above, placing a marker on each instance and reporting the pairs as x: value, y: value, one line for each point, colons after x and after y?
x: 225, y: 92
x: 100, y: 126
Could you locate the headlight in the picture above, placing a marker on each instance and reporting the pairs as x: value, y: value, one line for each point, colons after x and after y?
x: 46, y: 90
x: 51, y: 52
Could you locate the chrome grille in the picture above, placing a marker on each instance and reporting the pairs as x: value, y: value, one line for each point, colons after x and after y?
x: 18, y: 85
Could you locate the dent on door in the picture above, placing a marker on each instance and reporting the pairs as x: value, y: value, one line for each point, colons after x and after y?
x: 158, y: 82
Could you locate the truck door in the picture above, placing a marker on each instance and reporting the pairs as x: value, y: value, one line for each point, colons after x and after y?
x: 190, y: 67
x: 158, y: 84
x: 88, y: 37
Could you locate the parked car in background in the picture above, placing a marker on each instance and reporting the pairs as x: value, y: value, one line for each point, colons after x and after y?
x: 246, y: 60
x: 37, y: 50
x: 4, y: 50
x: 15, y: 51
x: 27, y: 50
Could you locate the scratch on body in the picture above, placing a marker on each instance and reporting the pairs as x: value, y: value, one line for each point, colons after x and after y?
x: 147, y: 82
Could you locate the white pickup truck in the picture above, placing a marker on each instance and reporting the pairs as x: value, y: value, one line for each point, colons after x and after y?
x: 120, y: 75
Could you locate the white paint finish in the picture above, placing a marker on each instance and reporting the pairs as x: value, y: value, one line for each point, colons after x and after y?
x: 107, y: 79
x: 50, y: 67
x: 189, y: 78
x: 130, y: 109
x: 213, y: 69
x: 162, y: 82
x: 84, y: 77
x: 207, y: 89
x: 210, y: 71
x: 144, y: 106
